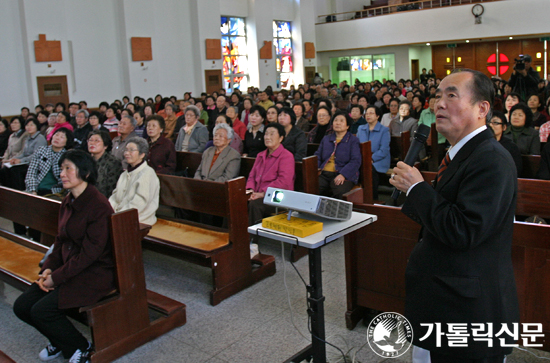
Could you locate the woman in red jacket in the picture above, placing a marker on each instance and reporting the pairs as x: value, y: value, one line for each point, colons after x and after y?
x: 80, y: 269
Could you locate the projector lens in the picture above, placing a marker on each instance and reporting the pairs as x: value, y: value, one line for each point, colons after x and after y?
x: 278, y: 197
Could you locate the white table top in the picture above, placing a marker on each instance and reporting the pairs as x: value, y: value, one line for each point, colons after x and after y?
x: 332, y: 230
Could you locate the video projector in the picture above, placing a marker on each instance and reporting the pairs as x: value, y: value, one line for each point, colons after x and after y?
x: 309, y: 203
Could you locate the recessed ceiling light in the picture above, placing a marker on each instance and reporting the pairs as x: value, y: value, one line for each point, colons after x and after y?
x: 427, y: 43
x: 467, y: 41
x: 511, y: 38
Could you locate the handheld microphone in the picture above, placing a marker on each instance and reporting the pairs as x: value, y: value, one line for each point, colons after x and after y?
x: 420, y: 137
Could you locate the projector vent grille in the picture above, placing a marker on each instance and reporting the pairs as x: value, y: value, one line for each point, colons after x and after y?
x: 333, y: 209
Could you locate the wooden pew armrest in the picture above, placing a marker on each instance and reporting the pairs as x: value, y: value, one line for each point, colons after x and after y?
x: 355, y: 196
x: 113, y: 296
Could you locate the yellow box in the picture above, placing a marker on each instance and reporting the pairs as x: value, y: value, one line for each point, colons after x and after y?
x: 296, y: 226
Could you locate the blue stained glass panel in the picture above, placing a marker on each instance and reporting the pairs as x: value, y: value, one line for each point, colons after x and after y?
x: 224, y: 27
x: 283, y: 29
x: 237, y: 26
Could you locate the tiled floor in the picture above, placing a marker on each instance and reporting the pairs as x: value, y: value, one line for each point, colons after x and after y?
x: 253, y: 326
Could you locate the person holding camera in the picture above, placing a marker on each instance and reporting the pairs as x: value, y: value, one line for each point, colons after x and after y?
x: 524, y: 79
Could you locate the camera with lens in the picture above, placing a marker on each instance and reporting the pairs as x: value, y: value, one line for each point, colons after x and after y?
x: 520, y: 63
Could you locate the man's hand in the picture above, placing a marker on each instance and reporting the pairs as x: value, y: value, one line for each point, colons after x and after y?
x: 405, y: 176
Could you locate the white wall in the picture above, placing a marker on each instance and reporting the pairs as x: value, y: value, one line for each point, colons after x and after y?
x: 424, y: 55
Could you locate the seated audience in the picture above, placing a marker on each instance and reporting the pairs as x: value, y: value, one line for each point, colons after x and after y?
x: 295, y: 139
x: 111, y: 120
x: 301, y: 122
x: 126, y: 128
x: 339, y: 158
x: 62, y: 120
x: 95, y: 121
x: 16, y: 140
x: 323, y: 126
x: 138, y: 186
x: 356, y: 114
x: 387, y: 118
x: 79, y: 271
x: 14, y: 177
x: 43, y: 173
x: 162, y: 153
x: 499, y: 125
x: 42, y: 117
x: 169, y: 120
x: 417, y: 106
x: 220, y: 162
x: 141, y: 127
x: 379, y: 137
x: 194, y: 135
x: 521, y: 131
x: 109, y: 167
x: 247, y: 105
x: 272, y: 113
x: 82, y: 131
x: 535, y: 105
x: 510, y: 101
x: 427, y: 117
x: 5, y: 133
x: 254, y: 137
x: 274, y: 167
x: 236, y: 143
x: 404, y: 122
x: 238, y: 126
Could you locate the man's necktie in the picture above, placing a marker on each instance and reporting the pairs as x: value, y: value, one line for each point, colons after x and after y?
x: 444, y: 164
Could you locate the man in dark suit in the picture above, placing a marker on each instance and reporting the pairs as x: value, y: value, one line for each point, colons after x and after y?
x: 460, y: 272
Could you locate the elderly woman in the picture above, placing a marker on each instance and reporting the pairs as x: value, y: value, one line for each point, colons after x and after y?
x: 404, y: 122
x: 535, y: 104
x: 254, y: 137
x: 109, y: 167
x: 274, y: 167
x: 295, y: 139
x: 301, y: 122
x: 238, y: 126
x: 141, y: 127
x: 83, y: 129
x: 220, y: 162
x: 323, y: 126
x: 79, y: 271
x: 52, y: 121
x: 125, y: 132
x: 521, y: 131
x: 499, y: 125
x: 236, y: 142
x: 43, y: 174
x: 379, y: 137
x: 138, y: 187
x: 62, y: 120
x: 162, y: 153
x: 16, y: 140
x: 339, y: 158
x: 194, y: 135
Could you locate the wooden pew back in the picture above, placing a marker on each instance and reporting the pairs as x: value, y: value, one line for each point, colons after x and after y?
x: 533, y: 198
x: 530, y: 166
x: 399, y: 146
x: 188, y: 160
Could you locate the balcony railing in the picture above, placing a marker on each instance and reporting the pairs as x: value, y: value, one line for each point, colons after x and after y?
x: 392, y: 9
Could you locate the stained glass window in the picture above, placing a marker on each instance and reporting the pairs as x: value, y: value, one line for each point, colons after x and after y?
x: 235, y: 59
x: 282, y: 39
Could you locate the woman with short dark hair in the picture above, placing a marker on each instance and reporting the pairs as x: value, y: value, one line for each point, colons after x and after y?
x: 62, y: 121
x: 521, y: 131
x: 162, y: 153
x: 323, y: 126
x: 109, y: 167
x: 5, y: 133
x: 16, y: 140
x: 79, y: 271
x: 295, y: 139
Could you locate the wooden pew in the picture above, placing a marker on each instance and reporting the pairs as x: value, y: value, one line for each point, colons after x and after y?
x: 225, y: 251
x: 376, y: 261
x: 531, y: 165
x: 399, y: 145
x: 4, y: 358
x: 189, y: 161
x: 120, y: 322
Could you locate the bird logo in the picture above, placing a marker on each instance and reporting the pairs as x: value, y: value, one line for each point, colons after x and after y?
x: 389, y: 335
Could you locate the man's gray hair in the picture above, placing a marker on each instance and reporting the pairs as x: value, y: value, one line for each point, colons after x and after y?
x: 132, y: 120
x: 86, y: 114
x: 225, y: 127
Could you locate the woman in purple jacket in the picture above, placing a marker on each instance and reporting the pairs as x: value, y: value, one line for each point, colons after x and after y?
x: 339, y: 158
x: 80, y: 269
